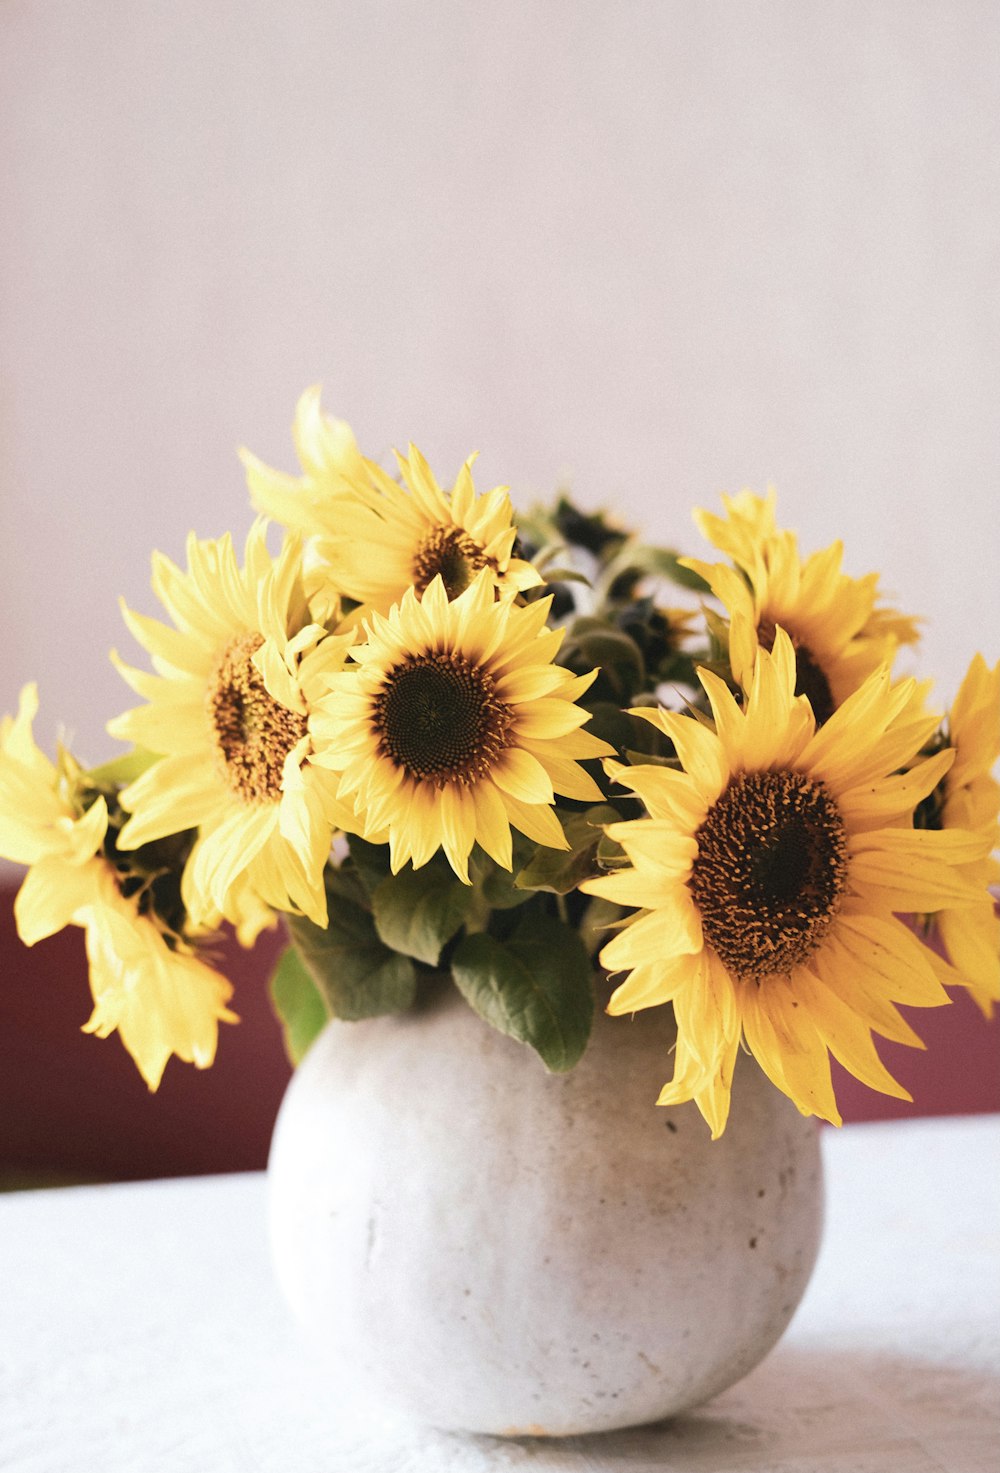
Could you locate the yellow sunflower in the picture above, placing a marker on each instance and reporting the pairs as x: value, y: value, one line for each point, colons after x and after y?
x: 374, y: 538
x: 840, y: 631
x: 332, y: 467
x: 453, y: 724
x: 769, y: 872
x: 969, y: 799
x: 315, y: 504
x: 230, y: 714
x: 146, y: 982
x: 159, y: 997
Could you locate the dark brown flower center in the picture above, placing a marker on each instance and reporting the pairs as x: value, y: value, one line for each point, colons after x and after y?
x: 810, y: 680
x: 770, y: 871
x: 254, y: 733
x: 451, y: 552
x: 438, y: 716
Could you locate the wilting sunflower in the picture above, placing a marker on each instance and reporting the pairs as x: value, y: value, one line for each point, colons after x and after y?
x: 840, y: 631
x: 453, y: 724
x: 968, y: 798
x: 230, y: 713
x: 146, y: 981
x: 374, y: 538
x: 770, y: 871
x: 159, y: 997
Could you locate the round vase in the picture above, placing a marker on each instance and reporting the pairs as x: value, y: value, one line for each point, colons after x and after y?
x: 496, y: 1249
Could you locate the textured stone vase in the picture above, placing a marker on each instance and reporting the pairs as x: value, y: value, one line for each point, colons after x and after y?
x: 496, y: 1249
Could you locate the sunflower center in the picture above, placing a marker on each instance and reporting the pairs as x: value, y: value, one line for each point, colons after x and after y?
x: 451, y: 552
x: 810, y: 681
x: 438, y: 717
x: 770, y: 871
x: 254, y: 733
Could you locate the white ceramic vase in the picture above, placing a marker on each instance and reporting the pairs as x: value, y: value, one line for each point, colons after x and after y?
x: 496, y: 1249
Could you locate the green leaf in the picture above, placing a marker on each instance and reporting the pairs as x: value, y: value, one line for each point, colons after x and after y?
x: 599, y: 919
x: 561, y: 870
x: 610, y: 854
x: 649, y: 759
x: 680, y: 667
x: 497, y: 886
x: 664, y: 562
x: 536, y: 987
x: 371, y: 861
x: 611, y: 724
x: 298, y: 1003
x: 593, y: 531
x: 548, y: 549
x: 122, y: 770
x: 592, y: 642
x: 358, y: 976
x: 418, y: 911
x: 718, y: 630
x: 627, y: 733
x: 564, y: 575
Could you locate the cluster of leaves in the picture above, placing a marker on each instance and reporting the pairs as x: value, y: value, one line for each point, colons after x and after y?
x: 519, y: 945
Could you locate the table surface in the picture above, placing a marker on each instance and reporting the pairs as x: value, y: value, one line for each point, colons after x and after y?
x: 140, y: 1329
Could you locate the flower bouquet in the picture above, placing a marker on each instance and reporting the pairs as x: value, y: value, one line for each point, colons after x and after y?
x: 436, y: 739
x: 441, y: 743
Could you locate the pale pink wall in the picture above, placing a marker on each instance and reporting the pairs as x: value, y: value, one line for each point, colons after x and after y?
x: 665, y: 248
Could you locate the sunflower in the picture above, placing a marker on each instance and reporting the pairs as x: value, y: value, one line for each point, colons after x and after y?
x: 146, y: 981
x: 840, y: 631
x: 453, y: 724
x: 968, y: 798
x: 374, y: 538
x: 159, y: 997
x: 334, y: 476
x: 332, y: 468
x: 230, y: 715
x: 769, y: 871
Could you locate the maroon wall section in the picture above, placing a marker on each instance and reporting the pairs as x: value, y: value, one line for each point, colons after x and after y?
x: 76, y: 1104
x: 957, y: 1074
x: 72, y: 1103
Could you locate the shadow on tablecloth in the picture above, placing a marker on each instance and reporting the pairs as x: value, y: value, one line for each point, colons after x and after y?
x: 802, y: 1411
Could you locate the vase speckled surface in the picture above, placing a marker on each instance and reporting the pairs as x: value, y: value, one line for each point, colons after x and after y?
x: 496, y: 1249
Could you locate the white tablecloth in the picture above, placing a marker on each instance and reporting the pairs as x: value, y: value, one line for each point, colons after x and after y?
x: 140, y: 1330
